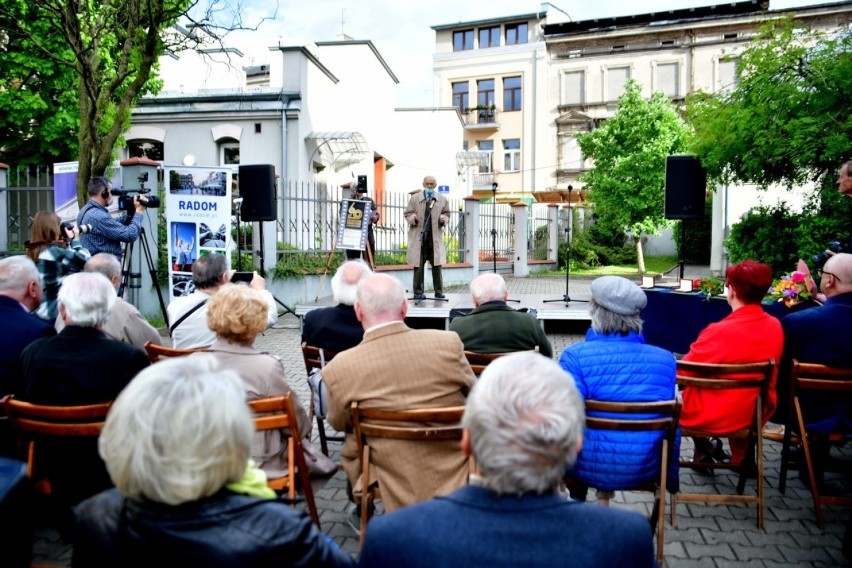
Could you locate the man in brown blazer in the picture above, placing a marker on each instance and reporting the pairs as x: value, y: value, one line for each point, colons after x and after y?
x: 395, y: 368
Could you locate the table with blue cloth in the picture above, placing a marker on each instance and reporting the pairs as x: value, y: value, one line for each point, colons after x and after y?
x: 673, y: 320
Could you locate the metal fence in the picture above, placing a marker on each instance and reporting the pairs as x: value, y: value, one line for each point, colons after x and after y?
x: 29, y: 190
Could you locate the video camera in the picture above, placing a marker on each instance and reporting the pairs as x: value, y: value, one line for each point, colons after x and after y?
x: 820, y: 259
x: 125, y: 196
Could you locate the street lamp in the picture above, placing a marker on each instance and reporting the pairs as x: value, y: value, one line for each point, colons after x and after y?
x: 494, y: 226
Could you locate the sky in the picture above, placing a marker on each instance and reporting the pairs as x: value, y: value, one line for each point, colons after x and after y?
x: 401, y: 29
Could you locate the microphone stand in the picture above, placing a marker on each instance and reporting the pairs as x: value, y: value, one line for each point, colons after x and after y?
x: 494, y: 227
x: 567, y: 298
x: 428, y: 219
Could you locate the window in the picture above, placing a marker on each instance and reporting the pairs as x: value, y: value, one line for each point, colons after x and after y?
x: 461, y: 96
x: 462, y: 40
x: 574, y: 88
x: 151, y: 149
x: 489, y: 37
x: 512, y: 155
x: 486, y: 146
x: 229, y: 154
x: 667, y: 79
x: 485, y: 92
x: 616, y: 77
x: 728, y: 78
x: 572, y: 157
x: 516, y: 34
x: 512, y: 93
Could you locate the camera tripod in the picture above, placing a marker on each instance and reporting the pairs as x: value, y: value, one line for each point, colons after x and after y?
x: 262, y: 272
x: 127, y: 274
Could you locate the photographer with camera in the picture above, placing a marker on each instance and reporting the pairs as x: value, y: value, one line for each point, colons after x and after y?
x: 55, y: 248
x: 109, y: 232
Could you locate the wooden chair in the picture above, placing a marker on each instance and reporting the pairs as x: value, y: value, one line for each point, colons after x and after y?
x: 667, y: 413
x: 155, y: 352
x: 805, y: 379
x: 478, y: 361
x: 427, y: 424
x: 313, y: 360
x: 34, y: 422
x: 719, y: 377
x: 278, y: 413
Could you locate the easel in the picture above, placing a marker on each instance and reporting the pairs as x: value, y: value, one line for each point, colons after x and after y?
x: 364, y: 229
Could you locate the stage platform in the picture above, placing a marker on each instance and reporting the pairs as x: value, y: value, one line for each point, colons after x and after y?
x: 436, y: 314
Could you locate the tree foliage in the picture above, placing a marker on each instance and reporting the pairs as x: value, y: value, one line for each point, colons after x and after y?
x: 104, y: 54
x: 787, y: 120
x: 629, y: 150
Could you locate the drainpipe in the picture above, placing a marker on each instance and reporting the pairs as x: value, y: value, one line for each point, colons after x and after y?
x: 282, y: 210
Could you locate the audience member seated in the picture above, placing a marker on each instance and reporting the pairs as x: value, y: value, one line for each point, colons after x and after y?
x: 124, y: 323
x: 20, y: 295
x: 337, y: 328
x: 81, y: 365
x: 821, y: 335
x: 237, y: 313
x: 495, y: 327
x: 188, y: 314
x: 614, y: 364
x: 56, y: 252
x: 524, y: 425
x: 396, y: 367
x: 177, y: 443
x: 747, y: 335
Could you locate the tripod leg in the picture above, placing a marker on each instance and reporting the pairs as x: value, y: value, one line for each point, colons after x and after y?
x: 152, y: 270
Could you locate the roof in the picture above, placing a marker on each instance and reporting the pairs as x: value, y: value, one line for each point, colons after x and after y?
x: 503, y: 20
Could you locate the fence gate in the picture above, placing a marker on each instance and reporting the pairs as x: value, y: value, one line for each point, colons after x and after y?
x: 496, y: 237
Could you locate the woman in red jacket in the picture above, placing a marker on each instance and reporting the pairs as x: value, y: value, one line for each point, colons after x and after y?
x: 747, y: 335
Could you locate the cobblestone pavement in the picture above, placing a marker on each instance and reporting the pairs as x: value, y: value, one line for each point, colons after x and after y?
x: 707, y: 535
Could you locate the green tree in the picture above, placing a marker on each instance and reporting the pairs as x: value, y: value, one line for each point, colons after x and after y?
x: 110, y: 48
x: 787, y: 120
x: 630, y: 149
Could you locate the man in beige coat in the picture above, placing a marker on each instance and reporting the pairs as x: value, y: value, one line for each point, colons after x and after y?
x: 426, y: 214
x: 395, y: 367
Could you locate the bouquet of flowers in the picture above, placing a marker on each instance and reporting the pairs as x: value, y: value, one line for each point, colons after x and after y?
x: 790, y: 289
x: 709, y: 286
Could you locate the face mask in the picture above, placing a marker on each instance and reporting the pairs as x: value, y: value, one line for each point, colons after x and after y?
x: 428, y: 193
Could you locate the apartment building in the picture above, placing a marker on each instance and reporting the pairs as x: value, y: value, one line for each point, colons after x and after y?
x: 528, y: 84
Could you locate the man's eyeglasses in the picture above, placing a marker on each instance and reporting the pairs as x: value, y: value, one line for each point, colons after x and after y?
x: 820, y: 272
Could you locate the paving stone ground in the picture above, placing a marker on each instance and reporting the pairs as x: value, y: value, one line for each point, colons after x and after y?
x: 706, y: 535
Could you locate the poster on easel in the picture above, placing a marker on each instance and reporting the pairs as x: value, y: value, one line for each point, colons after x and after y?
x: 198, y: 220
x: 353, y: 225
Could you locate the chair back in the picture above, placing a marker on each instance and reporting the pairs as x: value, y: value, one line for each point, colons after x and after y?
x: 315, y: 358
x: 35, y: 421
x: 155, y: 352
x: 426, y: 424
x: 734, y: 376
x: 278, y: 413
x: 818, y: 380
x: 621, y: 417
x: 478, y: 361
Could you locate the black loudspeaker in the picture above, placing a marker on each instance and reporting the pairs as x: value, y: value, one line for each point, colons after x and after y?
x: 257, y: 188
x: 686, y: 186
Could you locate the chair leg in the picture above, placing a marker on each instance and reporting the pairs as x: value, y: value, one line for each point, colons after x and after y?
x: 809, y: 462
x: 322, y: 436
x: 365, y: 494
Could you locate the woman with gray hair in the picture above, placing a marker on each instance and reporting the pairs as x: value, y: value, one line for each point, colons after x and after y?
x: 615, y: 365
x: 173, y: 442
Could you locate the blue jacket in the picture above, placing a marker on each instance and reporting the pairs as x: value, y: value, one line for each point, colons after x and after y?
x: 472, y: 527
x: 621, y: 368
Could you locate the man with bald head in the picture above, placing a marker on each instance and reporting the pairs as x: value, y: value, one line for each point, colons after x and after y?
x: 821, y: 335
x: 396, y: 367
x: 493, y: 326
x: 337, y: 328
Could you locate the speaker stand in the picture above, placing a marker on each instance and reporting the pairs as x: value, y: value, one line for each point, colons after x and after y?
x: 263, y: 272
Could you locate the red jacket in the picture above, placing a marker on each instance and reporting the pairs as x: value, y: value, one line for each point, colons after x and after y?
x: 747, y: 335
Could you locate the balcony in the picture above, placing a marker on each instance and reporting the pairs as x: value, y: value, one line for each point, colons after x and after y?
x: 481, y: 118
x: 483, y: 181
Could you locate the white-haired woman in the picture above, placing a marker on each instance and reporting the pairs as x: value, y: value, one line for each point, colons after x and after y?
x: 174, y: 440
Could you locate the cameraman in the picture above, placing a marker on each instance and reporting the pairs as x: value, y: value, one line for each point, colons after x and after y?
x: 108, y: 232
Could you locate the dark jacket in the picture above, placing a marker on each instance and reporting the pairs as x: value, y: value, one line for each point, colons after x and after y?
x: 223, y: 530
x: 335, y: 329
x: 495, y: 327
x: 19, y: 330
